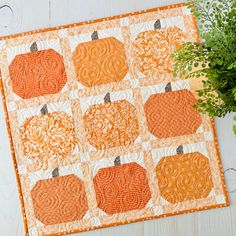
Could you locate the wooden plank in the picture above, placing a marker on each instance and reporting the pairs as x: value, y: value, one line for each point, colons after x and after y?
x: 26, y: 15
x: 217, y: 222
x: 135, y: 229
x: 65, y: 12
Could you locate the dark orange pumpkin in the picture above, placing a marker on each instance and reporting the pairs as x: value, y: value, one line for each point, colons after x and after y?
x: 111, y: 124
x: 184, y: 177
x: 60, y: 199
x: 121, y: 188
x: 100, y: 61
x: 37, y: 73
x: 171, y: 113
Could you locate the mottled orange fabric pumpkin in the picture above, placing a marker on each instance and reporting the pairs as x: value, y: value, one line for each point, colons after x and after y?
x: 171, y: 114
x: 184, y: 177
x: 122, y: 188
x: 59, y: 200
x: 37, y: 73
x: 48, y: 135
x: 111, y: 124
x: 154, y: 48
x: 100, y: 61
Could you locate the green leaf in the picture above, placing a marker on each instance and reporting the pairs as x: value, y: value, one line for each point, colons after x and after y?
x: 234, y: 93
x: 234, y: 129
x: 231, y: 66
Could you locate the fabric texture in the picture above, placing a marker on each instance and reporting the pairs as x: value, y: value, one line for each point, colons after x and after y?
x: 101, y: 132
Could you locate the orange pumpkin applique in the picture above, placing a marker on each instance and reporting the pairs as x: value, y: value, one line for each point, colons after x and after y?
x: 60, y: 199
x: 111, y: 124
x: 184, y: 177
x: 37, y: 73
x: 49, y: 134
x: 154, y: 48
x: 100, y: 61
x: 171, y: 114
x: 122, y: 188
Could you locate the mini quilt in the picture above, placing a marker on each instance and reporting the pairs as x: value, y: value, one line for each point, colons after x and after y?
x: 101, y: 133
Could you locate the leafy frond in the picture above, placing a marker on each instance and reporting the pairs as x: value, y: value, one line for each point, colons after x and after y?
x: 214, y: 57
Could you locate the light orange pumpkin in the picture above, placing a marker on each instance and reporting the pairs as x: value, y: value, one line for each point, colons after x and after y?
x: 184, y: 177
x: 153, y: 49
x: 111, y: 124
x: 60, y: 199
x: 121, y: 188
x: 37, y: 73
x: 171, y: 114
x: 100, y: 61
x: 48, y: 134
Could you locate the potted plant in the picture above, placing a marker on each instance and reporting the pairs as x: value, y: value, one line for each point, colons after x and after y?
x: 213, y: 57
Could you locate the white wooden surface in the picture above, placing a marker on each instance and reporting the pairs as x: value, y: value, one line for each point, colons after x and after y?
x: 25, y: 15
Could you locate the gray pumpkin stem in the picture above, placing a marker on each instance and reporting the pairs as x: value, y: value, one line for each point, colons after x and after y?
x: 180, y: 149
x: 168, y: 87
x: 117, y: 161
x: 44, y: 110
x: 107, y: 98
x: 55, y: 172
x: 34, y: 47
x: 94, y: 35
x: 157, y: 25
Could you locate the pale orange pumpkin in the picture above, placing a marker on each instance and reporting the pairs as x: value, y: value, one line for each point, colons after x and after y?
x: 111, y: 124
x: 100, y: 61
x: 153, y: 49
x: 48, y: 134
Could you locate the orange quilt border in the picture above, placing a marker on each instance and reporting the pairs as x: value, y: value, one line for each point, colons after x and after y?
x: 11, y: 141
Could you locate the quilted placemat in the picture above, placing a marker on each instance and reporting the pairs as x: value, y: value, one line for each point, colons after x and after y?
x: 101, y: 133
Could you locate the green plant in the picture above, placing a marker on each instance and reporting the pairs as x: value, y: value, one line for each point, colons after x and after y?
x: 213, y: 57
x: 234, y: 126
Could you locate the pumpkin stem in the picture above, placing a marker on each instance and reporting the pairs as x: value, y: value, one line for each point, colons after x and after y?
x: 34, y: 47
x: 117, y: 161
x: 107, y: 98
x: 168, y: 87
x: 157, y: 25
x: 180, y: 149
x: 44, y: 110
x: 55, y: 172
x: 94, y: 35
